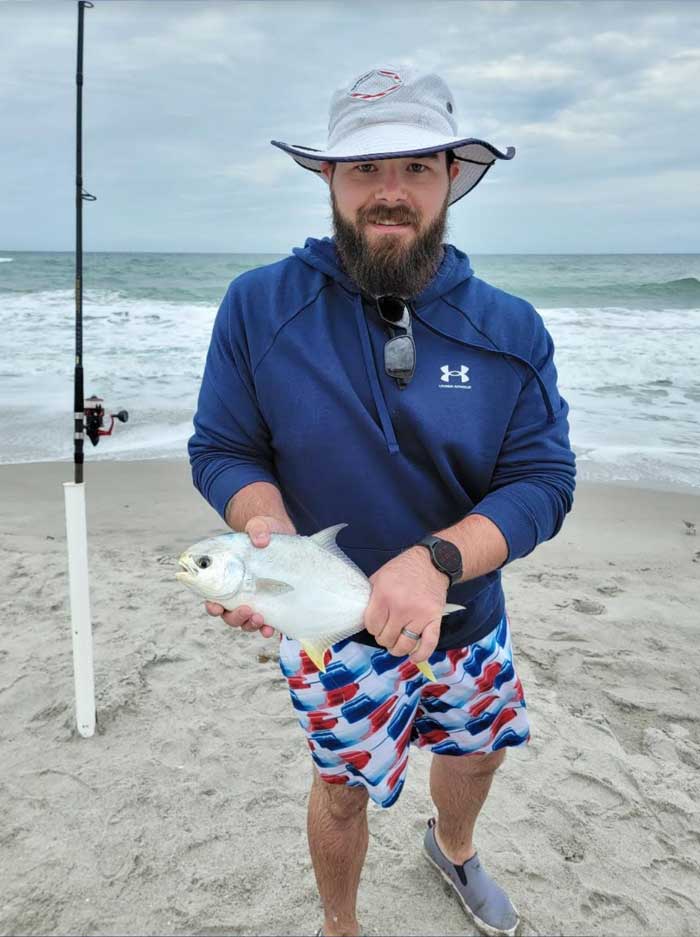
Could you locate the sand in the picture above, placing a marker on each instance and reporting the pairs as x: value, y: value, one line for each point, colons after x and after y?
x: 186, y: 812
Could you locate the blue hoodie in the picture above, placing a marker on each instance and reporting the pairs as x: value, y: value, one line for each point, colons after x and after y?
x: 294, y: 393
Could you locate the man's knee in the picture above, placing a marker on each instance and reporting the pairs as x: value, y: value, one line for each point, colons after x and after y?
x: 342, y: 801
x: 492, y: 761
x: 476, y: 765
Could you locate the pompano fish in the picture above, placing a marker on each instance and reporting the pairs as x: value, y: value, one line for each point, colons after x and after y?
x: 305, y: 587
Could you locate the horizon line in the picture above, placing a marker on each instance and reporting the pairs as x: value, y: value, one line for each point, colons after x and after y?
x: 288, y: 253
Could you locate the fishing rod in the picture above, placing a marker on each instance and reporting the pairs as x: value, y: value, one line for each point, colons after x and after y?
x: 80, y: 197
x: 88, y: 414
x: 88, y: 417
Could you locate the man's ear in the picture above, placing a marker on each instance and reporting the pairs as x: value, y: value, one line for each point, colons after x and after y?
x: 454, y: 170
x: 327, y: 170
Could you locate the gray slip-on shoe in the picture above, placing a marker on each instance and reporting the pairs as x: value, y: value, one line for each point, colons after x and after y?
x: 483, y: 900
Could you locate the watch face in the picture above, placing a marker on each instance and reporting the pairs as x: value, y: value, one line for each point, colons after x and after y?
x: 448, y: 556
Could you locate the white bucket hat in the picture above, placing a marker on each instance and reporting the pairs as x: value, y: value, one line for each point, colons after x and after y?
x: 390, y: 112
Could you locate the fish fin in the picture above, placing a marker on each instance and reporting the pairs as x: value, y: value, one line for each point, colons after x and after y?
x: 315, y: 652
x: 426, y: 670
x: 325, y: 539
x: 272, y: 586
x: 319, y: 644
x: 452, y: 608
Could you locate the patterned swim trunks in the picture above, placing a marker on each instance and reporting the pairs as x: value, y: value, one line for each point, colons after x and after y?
x: 361, y: 714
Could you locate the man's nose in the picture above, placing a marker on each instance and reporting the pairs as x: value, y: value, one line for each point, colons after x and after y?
x: 391, y: 186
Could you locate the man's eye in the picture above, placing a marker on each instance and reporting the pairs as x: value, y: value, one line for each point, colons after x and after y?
x: 365, y: 168
x: 417, y: 167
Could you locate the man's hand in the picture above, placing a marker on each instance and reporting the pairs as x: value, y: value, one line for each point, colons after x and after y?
x: 407, y: 592
x: 244, y: 617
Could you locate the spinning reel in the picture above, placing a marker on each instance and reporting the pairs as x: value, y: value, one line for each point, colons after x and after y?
x: 94, y: 419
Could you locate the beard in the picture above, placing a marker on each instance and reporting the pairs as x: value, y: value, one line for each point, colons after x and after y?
x: 389, y: 266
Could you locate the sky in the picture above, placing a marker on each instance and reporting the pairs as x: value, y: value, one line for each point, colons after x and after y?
x: 600, y: 100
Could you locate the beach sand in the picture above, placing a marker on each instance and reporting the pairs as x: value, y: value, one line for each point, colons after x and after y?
x: 186, y: 812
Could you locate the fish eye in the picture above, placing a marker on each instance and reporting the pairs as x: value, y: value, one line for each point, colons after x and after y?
x: 203, y: 562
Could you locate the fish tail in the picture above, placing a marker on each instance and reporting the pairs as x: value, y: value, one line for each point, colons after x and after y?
x: 315, y: 653
x: 426, y: 670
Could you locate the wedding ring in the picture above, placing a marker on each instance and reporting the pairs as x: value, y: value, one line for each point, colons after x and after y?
x: 410, y: 634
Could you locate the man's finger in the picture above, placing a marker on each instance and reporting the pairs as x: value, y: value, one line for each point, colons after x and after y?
x: 238, y: 616
x: 213, y: 608
x: 424, y: 648
x: 375, y: 619
x: 404, y: 645
x: 253, y: 622
x: 391, y: 637
x: 259, y: 533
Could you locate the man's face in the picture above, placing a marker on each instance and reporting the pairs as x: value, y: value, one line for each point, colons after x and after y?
x: 389, y: 218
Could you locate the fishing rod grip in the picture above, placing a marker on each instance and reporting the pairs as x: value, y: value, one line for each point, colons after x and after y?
x: 79, y: 428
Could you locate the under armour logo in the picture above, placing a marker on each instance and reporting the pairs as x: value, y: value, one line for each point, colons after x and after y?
x: 463, y: 373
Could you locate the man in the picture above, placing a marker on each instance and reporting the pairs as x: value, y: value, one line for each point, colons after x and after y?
x: 372, y: 379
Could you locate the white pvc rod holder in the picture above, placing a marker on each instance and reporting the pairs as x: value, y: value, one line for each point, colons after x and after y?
x: 81, y: 623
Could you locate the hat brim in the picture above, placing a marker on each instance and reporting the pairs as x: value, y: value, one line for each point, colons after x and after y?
x: 475, y: 156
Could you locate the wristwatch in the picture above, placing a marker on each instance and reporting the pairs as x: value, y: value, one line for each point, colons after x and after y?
x: 445, y: 556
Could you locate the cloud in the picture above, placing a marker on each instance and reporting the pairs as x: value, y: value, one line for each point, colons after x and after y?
x: 182, y: 98
x: 521, y: 71
x: 268, y: 169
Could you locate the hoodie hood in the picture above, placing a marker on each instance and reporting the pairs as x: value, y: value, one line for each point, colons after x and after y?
x: 322, y: 254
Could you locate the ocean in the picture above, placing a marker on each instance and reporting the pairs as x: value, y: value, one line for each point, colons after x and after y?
x: 626, y: 330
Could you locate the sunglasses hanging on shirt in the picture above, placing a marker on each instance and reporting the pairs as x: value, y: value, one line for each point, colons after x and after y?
x: 400, y: 350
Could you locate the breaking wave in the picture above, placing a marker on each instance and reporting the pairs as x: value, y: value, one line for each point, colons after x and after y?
x: 671, y: 294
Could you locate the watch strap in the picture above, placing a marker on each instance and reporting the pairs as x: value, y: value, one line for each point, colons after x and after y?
x: 431, y: 542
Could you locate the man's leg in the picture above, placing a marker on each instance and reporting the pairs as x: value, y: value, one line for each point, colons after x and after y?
x: 459, y: 785
x: 338, y: 836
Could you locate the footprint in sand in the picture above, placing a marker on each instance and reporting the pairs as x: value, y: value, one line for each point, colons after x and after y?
x: 609, y: 590
x: 655, y: 644
x: 572, y: 854
x: 590, y: 794
x: 563, y: 635
x: 613, y: 912
x: 587, y: 607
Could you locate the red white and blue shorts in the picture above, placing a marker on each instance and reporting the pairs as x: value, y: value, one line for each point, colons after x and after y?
x: 361, y: 714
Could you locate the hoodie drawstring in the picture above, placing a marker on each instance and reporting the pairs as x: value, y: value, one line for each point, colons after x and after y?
x: 372, y: 377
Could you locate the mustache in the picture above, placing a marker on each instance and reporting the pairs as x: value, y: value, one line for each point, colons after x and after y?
x: 396, y: 217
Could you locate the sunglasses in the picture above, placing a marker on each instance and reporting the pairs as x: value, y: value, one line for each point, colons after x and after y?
x: 400, y: 350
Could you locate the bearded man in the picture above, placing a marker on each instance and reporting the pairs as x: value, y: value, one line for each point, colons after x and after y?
x: 372, y: 379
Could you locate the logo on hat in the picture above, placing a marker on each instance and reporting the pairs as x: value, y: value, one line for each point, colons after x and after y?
x: 375, y: 84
